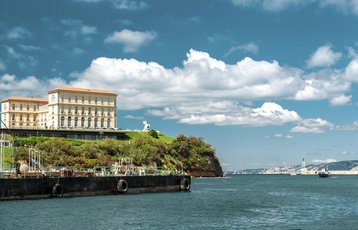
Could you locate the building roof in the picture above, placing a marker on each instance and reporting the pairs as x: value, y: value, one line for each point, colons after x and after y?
x: 27, y: 99
x: 81, y: 90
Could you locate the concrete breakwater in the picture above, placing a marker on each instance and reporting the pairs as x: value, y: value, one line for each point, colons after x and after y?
x: 48, y: 187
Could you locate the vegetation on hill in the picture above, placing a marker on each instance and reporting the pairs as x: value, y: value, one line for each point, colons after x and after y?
x: 190, y: 154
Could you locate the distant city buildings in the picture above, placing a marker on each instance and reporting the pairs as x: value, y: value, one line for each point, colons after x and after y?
x: 65, y: 108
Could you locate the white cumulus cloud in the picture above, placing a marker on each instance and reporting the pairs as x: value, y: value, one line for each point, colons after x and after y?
x: 312, y: 126
x: 324, y: 56
x: 131, y: 40
x: 340, y: 100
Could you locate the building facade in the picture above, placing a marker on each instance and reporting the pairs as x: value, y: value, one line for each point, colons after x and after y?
x: 65, y: 108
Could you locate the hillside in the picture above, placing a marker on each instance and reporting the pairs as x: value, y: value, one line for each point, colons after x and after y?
x: 335, y: 166
x: 190, y: 154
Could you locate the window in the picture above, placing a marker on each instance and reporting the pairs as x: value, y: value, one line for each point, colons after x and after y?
x: 13, y: 117
x: 62, y: 98
x: 83, y: 99
x: 27, y: 117
x: 108, y: 123
x: 108, y: 112
x: 109, y: 101
x: 83, y: 110
x: 95, y: 100
x: 89, y: 100
x: 69, y: 122
x: 102, y: 101
x: 82, y: 122
x: 76, y: 99
x: 27, y: 107
x: 63, y: 109
x: 62, y: 122
x: 102, y: 123
x: 89, y: 111
x: 20, y: 117
x: 102, y: 111
x: 34, y: 107
x: 69, y: 109
x: 76, y: 122
x: 34, y: 118
x: 89, y: 122
x: 96, y: 122
x: 95, y: 111
x: 20, y: 107
x: 69, y: 99
x: 13, y: 106
x: 76, y: 110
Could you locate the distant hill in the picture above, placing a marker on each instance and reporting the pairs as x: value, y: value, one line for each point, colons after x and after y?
x: 340, y: 165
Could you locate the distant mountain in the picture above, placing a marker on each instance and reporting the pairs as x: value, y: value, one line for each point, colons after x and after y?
x: 340, y: 165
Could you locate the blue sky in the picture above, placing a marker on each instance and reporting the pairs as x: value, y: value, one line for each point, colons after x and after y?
x: 265, y: 82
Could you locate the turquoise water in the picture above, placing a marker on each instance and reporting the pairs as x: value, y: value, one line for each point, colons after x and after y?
x: 239, y: 202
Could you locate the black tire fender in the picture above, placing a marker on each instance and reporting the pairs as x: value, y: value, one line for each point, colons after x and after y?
x: 184, y: 184
x: 57, y: 190
x: 122, y: 186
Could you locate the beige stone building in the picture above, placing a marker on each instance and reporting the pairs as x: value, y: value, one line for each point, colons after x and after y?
x: 65, y: 108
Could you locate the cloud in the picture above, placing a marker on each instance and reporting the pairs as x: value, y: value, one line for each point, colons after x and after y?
x: 268, y: 114
x: 76, y: 28
x: 131, y: 40
x: 326, y: 161
x: 205, y: 90
x: 30, y: 48
x: 269, y: 5
x: 349, y: 127
x: 249, y: 47
x: 345, y: 6
x: 88, y: 29
x: 18, y: 32
x: 134, y: 117
x: 340, y: 100
x: 323, y: 57
x: 130, y: 5
x: 280, y: 136
x: 30, y: 85
x: 312, y: 126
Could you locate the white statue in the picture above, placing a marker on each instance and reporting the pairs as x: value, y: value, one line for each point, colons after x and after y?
x: 146, y: 127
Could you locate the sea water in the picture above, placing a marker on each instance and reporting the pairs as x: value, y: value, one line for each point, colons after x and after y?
x: 237, y: 202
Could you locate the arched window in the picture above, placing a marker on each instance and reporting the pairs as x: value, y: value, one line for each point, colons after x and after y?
x: 82, y: 122
x: 102, y: 123
x: 95, y: 122
x: 62, y: 122
x: 108, y: 123
x: 76, y: 122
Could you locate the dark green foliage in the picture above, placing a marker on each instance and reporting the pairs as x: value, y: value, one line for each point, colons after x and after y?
x: 182, y: 153
x: 153, y: 134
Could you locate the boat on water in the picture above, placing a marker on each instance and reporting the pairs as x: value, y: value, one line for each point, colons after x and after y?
x: 324, y: 173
